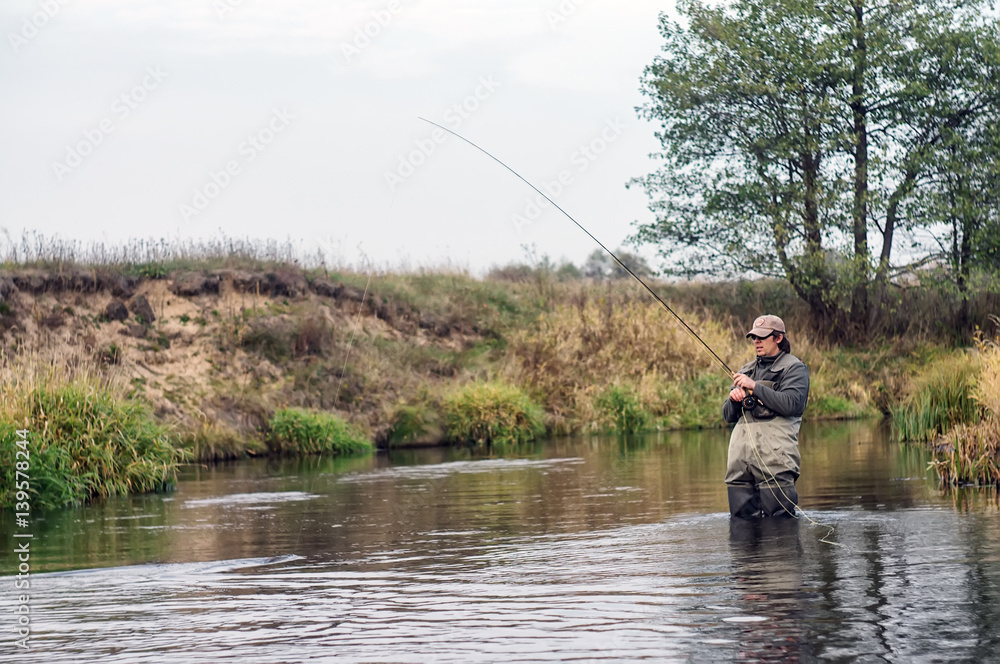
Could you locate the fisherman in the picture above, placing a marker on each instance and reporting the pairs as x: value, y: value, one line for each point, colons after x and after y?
x: 764, y: 447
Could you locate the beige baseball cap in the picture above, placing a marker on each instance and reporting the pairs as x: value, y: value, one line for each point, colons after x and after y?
x: 766, y: 324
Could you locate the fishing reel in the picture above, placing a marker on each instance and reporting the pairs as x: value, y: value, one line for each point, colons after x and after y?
x: 750, y: 402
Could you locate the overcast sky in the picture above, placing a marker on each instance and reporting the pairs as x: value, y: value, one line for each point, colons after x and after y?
x: 299, y: 120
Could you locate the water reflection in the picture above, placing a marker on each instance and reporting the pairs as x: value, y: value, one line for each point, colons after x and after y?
x: 768, y: 578
x: 593, y: 549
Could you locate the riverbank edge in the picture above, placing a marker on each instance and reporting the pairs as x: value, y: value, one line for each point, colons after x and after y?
x: 136, y: 324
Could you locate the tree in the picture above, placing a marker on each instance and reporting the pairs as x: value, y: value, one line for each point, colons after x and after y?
x: 600, y: 265
x: 962, y: 194
x: 799, y: 137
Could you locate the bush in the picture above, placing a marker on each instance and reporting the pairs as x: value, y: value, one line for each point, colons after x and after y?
x: 970, y: 454
x: 695, y: 403
x: 295, y: 431
x: 622, y: 407
x: 84, y: 441
x: 485, y: 413
x: 413, y: 424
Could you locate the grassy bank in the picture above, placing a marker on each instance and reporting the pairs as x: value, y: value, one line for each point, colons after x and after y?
x: 241, y: 354
x: 969, y: 452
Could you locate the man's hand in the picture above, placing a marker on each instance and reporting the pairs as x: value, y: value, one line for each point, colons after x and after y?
x: 737, y: 394
x: 744, y: 381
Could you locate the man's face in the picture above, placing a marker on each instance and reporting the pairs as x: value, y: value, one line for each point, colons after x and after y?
x: 766, y: 346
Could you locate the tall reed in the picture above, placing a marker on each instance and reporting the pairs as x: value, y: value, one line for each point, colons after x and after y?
x: 938, y: 398
x: 970, y: 454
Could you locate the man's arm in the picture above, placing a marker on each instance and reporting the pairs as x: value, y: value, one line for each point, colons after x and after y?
x: 790, y: 399
x: 731, y: 411
x: 732, y: 408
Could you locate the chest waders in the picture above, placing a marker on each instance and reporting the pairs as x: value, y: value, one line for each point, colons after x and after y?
x: 764, y: 458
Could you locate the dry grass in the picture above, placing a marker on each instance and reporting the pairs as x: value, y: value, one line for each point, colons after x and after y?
x: 576, y: 350
x: 970, y: 453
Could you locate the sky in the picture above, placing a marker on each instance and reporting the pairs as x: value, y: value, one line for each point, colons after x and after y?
x: 299, y: 121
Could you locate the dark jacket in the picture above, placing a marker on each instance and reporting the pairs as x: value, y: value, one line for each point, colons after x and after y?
x: 782, y: 388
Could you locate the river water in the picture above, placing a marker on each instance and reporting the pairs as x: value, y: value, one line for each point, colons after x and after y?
x: 583, y: 550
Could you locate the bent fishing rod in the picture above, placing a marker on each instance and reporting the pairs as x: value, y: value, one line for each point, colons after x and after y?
x: 750, y: 402
x: 625, y: 267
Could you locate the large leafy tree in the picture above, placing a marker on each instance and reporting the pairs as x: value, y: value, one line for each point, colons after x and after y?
x: 804, y: 139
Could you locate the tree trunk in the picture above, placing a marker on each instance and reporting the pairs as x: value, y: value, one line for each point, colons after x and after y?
x: 811, y: 279
x: 881, y: 282
x: 964, y: 321
x: 859, y: 297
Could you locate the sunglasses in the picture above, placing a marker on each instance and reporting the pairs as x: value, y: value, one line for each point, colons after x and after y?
x: 754, y: 337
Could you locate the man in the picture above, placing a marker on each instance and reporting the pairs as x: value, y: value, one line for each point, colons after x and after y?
x: 764, y: 447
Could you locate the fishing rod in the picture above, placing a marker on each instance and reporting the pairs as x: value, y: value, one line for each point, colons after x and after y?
x: 750, y: 402
x: 625, y: 267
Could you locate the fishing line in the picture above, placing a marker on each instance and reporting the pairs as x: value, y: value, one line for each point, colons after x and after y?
x: 350, y: 344
x: 770, y: 477
x: 729, y: 372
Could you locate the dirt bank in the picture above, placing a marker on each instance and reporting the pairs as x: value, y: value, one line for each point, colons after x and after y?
x: 215, y: 352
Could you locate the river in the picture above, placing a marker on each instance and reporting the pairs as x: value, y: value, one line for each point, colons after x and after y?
x: 583, y: 550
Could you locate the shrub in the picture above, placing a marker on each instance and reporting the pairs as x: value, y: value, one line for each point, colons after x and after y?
x: 413, y: 423
x: 695, y: 403
x: 280, y: 338
x: 622, y: 407
x: 271, y: 337
x: 485, y: 413
x: 296, y: 431
x: 970, y: 454
x: 217, y: 441
x: 86, y: 439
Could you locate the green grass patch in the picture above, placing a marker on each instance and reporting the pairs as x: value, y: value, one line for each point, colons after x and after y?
x: 622, y: 407
x: 294, y: 431
x: 695, y: 403
x: 413, y: 423
x: 84, y: 442
x: 491, y: 413
x: 939, y: 397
